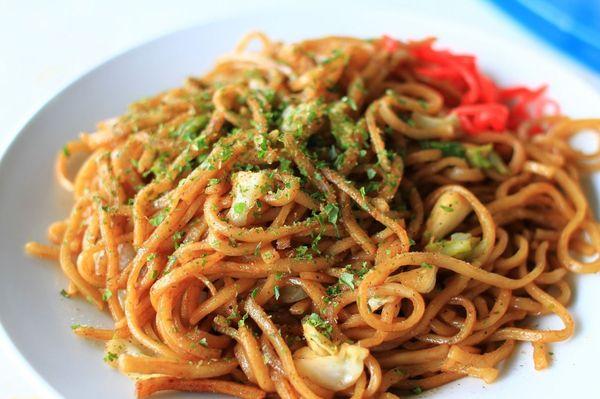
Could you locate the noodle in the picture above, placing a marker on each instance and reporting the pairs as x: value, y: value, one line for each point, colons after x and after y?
x: 335, y: 217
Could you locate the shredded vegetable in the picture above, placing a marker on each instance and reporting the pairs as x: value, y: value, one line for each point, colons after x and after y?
x: 483, y: 105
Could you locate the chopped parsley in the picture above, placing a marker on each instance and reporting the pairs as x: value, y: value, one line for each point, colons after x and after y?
x: 239, y: 207
x: 302, y: 253
x: 226, y: 152
x: 447, y: 208
x: 242, y: 321
x: 177, y: 237
x: 335, y: 54
x: 315, y: 244
x: 427, y: 265
x: 106, y: 295
x: 203, y: 342
x: 363, y: 192
x: 478, y: 156
x: 64, y: 293
x: 322, y: 325
x: 158, y: 217
x: 331, y: 291
x: 285, y: 164
x: 448, y: 148
x: 333, y: 212
x: 351, y: 103
x: 65, y: 151
x: 276, y: 292
x: 189, y: 129
x: 484, y: 157
x: 263, y: 147
x: 110, y: 357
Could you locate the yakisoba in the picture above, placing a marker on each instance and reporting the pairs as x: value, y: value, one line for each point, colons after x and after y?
x: 335, y: 217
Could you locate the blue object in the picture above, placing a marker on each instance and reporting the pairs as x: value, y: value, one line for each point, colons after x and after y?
x: 573, y: 26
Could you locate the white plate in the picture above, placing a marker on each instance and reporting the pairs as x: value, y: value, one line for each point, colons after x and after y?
x: 36, y: 319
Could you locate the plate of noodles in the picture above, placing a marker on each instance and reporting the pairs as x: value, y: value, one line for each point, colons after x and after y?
x: 331, y: 208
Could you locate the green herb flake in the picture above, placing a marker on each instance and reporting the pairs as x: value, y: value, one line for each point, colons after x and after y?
x: 351, y: 103
x: 335, y: 54
x: 447, y: 208
x: 157, y: 219
x: 203, y: 342
x: 302, y: 253
x: 333, y: 212
x: 276, y: 292
x: 189, y: 129
x: 371, y: 173
x: 448, y: 148
x: 242, y: 321
x: 110, y: 357
x: 478, y: 156
x: 322, y: 325
x: 106, y: 295
x: 485, y: 157
x: 64, y: 293
x: 285, y: 164
x: 65, y: 151
x: 239, y: 207
x: 427, y: 265
x: 333, y: 290
x: 177, y: 237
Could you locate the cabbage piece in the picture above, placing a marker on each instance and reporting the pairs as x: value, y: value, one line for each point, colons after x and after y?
x: 248, y: 187
x: 484, y: 157
x: 335, y: 372
x: 460, y: 246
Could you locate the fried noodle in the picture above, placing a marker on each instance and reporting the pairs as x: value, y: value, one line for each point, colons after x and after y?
x: 335, y: 217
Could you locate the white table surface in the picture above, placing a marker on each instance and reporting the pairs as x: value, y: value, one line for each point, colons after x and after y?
x: 45, y: 44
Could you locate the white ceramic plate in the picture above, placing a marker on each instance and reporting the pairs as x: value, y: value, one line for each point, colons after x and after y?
x: 36, y: 319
